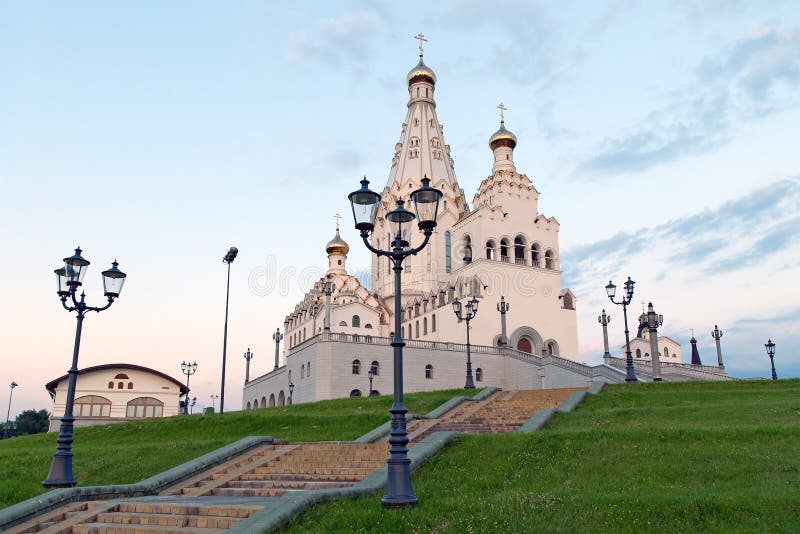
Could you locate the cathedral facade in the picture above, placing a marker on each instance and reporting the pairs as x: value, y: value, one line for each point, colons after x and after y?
x: 499, y: 246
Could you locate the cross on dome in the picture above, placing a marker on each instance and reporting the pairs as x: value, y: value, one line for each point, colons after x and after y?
x: 420, y: 38
x: 338, y: 218
x: 502, y: 108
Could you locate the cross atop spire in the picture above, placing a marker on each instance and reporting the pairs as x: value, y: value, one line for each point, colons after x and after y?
x: 421, y: 38
x: 502, y: 108
x: 338, y: 217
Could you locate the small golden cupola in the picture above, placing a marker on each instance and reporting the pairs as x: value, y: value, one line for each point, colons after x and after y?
x: 502, y: 143
x: 337, y: 249
x: 421, y: 79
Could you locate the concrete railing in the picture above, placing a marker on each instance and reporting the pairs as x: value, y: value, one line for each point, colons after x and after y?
x: 647, y: 367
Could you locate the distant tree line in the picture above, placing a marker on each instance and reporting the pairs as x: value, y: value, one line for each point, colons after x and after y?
x: 28, y: 422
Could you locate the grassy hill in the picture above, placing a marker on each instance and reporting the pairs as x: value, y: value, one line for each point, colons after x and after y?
x: 128, y: 452
x: 683, y: 457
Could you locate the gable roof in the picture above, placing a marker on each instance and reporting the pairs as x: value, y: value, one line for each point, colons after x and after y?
x: 51, y: 386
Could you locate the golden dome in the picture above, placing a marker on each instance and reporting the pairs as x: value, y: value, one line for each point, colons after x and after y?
x: 421, y: 71
x: 502, y: 137
x: 337, y: 245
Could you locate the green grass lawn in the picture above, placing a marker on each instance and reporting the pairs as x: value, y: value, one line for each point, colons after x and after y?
x: 128, y: 452
x: 681, y: 457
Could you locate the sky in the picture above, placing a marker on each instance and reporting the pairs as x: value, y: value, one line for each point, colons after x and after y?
x: 663, y: 137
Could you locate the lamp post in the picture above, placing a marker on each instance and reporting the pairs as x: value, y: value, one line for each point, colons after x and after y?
x: 770, y: 346
x: 471, y: 310
x: 229, y: 257
x: 277, y: 337
x: 503, y: 308
x: 70, y: 278
x: 717, y: 335
x: 604, y: 319
x: 8, y: 413
x: 365, y: 204
x: 188, y: 369
x: 247, y: 356
x: 611, y: 290
x: 328, y: 288
x: 191, y: 406
x: 213, y: 401
x: 291, y: 390
x: 371, y: 376
x: 654, y: 320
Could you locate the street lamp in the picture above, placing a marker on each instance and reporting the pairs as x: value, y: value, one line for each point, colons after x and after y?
x: 328, y: 287
x: 365, y: 204
x: 213, y: 402
x: 229, y: 257
x: 717, y: 335
x: 653, y: 320
x: 611, y: 290
x: 469, y: 312
x: 8, y: 413
x: 371, y: 376
x: 70, y: 278
x: 604, y: 319
x: 194, y: 401
x: 277, y: 337
x: 291, y: 390
x: 188, y: 369
x: 247, y: 356
x: 770, y: 346
x: 503, y: 308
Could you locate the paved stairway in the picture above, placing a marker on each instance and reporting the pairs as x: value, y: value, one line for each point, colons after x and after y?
x: 221, y: 497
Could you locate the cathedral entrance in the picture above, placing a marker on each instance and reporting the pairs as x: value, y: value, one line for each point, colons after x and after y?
x: 524, y: 345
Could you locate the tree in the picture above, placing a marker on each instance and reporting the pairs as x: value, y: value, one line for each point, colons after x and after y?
x: 33, y: 422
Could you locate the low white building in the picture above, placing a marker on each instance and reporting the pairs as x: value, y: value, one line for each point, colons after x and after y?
x: 114, y: 393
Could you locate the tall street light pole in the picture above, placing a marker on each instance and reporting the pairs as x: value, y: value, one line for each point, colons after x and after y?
x: 291, y: 392
x: 8, y: 413
x: 503, y: 308
x: 611, y: 290
x: 229, y: 257
x: 194, y: 401
x: 467, y: 314
x: 717, y: 335
x: 604, y: 319
x: 70, y: 278
x: 247, y: 356
x: 365, y: 204
x: 328, y: 288
x: 214, y: 401
x: 770, y: 346
x: 371, y: 376
x: 277, y: 337
x: 188, y: 369
x: 654, y: 320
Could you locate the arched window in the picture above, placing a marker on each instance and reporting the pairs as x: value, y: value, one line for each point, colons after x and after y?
x: 342, y: 323
x: 143, y: 407
x: 504, y: 250
x: 402, y: 331
x: 264, y: 402
x: 447, y: 259
x: 356, y: 367
x: 248, y: 405
x: 355, y: 393
x: 433, y: 322
x: 425, y: 326
x: 524, y: 345
x: 490, y: 250
x: 375, y: 367
x: 479, y: 374
x: 549, y: 259
x: 120, y: 385
x: 356, y: 321
x: 638, y: 353
x: 271, y: 400
x: 535, y: 254
x: 91, y: 406
x: 368, y: 326
x: 429, y: 372
x: 121, y: 376
x: 308, y: 369
x: 302, y: 371
x: 111, y: 385
x: 130, y: 385
x: 519, y: 250
x: 281, y: 399
x: 666, y: 352
x: 416, y: 329
x: 467, y: 249
x: 646, y: 354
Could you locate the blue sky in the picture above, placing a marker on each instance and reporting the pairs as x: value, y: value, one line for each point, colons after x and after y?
x: 662, y: 136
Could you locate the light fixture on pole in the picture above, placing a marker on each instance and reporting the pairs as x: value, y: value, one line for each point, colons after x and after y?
x: 770, y: 346
x: 328, y: 287
x: 188, y: 369
x: 604, y: 319
x: 8, y: 413
x: 213, y: 402
x: 291, y: 391
x: 717, y: 335
x: 365, y: 204
x: 611, y: 290
x: 247, y: 356
x: 503, y: 308
x: 194, y: 401
x: 371, y: 376
x: 70, y: 278
x: 277, y: 337
x: 228, y: 258
x: 653, y: 321
x: 467, y: 314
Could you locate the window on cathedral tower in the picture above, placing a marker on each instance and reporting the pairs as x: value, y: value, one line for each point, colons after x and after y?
x: 356, y: 367
x: 447, y: 246
x: 504, y: 250
x: 429, y: 372
x: 535, y: 253
x: 519, y: 250
x: 549, y: 259
x: 490, y: 250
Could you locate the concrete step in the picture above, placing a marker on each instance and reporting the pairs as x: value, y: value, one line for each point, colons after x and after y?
x: 247, y: 492
x: 168, y: 520
x: 114, y: 528
x: 286, y: 484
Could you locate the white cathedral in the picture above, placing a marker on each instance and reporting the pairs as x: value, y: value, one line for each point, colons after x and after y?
x: 500, y: 247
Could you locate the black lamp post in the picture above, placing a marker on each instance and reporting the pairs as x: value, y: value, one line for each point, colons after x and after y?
x: 470, y: 311
x: 8, y: 413
x: 611, y: 290
x: 70, y: 278
x: 365, y: 204
x: 194, y: 401
x: 770, y: 346
x: 371, y: 376
x: 291, y: 391
x: 604, y: 319
x: 653, y: 320
x: 188, y: 369
x: 229, y: 257
x: 717, y: 335
x: 503, y: 308
x: 247, y: 356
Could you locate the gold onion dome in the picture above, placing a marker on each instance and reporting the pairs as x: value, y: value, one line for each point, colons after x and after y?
x: 502, y: 137
x: 337, y: 245
x: 421, y: 73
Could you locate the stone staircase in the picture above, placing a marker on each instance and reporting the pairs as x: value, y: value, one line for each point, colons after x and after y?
x: 221, y: 497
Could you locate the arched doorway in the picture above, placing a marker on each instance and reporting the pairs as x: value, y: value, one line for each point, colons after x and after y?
x: 271, y: 400
x: 355, y: 393
x: 524, y: 345
x: 281, y: 399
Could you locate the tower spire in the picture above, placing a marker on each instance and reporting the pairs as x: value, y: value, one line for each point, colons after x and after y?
x: 502, y: 108
x: 421, y: 38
